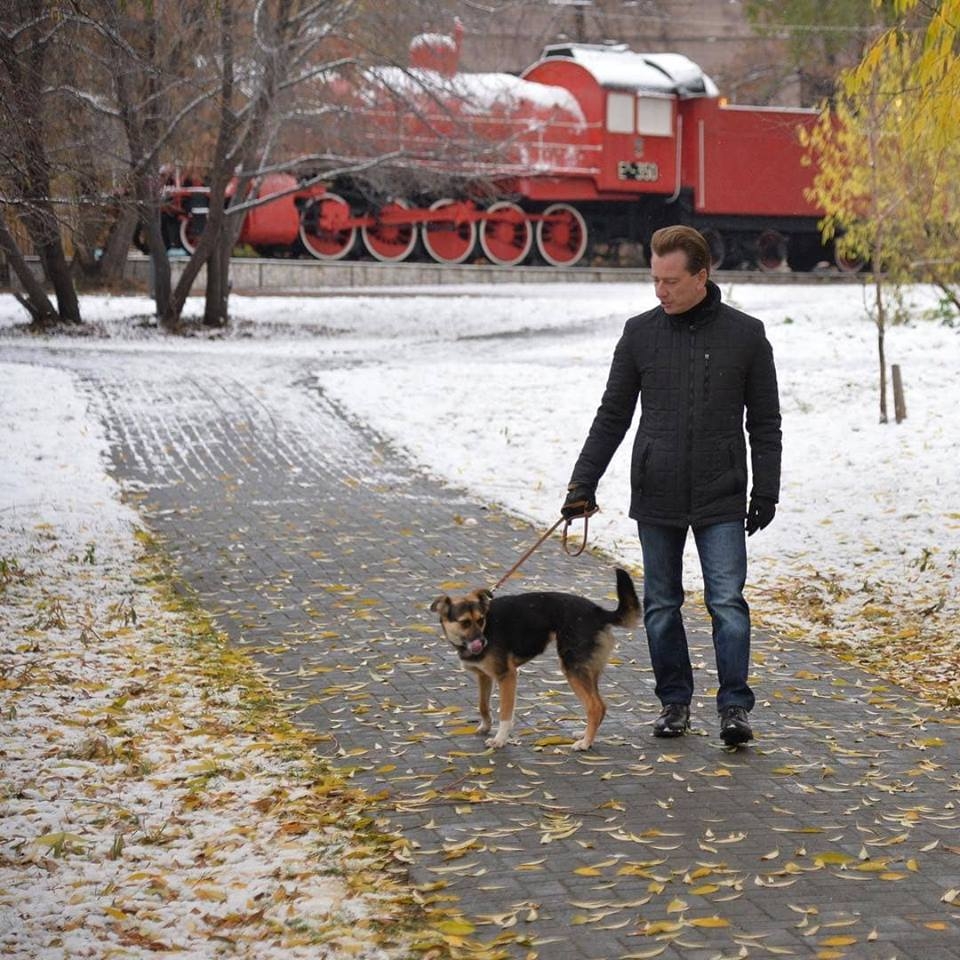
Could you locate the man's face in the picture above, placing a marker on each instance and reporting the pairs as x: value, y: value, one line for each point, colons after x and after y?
x: 677, y: 289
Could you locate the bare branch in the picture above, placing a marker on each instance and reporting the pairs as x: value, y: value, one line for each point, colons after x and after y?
x: 94, y: 101
x: 329, y: 173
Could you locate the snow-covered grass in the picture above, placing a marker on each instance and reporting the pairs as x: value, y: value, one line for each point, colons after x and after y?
x: 865, y: 549
x: 153, y: 798
x: 140, y: 811
x: 494, y: 388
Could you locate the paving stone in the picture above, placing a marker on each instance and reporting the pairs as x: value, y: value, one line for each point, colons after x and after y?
x: 316, y: 546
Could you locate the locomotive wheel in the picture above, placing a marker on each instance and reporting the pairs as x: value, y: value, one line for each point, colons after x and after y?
x: 717, y: 245
x: 324, y: 228
x: 451, y: 240
x: 389, y: 239
x: 771, y: 251
x: 507, y: 237
x: 847, y: 264
x: 562, y: 235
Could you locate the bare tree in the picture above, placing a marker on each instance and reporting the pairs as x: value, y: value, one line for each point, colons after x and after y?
x: 65, y: 164
x: 147, y: 88
x: 824, y: 36
x: 281, y: 51
x: 28, y: 32
x: 147, y: 85
x: 34, y: 299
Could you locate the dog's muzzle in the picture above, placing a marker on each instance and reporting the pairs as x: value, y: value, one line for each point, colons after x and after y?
x: 475, y: 647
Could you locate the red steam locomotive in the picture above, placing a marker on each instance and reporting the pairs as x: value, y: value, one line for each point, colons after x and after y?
x: 582, y: 157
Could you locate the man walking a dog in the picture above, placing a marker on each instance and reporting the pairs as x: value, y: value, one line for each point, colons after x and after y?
x: 701, y: 371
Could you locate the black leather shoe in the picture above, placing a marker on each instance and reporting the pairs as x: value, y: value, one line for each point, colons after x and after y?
x: 674, y: 720
x: 734, y: 726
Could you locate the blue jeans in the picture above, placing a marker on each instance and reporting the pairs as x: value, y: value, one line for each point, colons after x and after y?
x: 723, y: 559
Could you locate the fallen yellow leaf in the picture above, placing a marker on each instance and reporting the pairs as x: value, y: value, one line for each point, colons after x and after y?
x: 660, y: 926
x: 455, y: 928
x: 213, y: 894
x: 833, y: 858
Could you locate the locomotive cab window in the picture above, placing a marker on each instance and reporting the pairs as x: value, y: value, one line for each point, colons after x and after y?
x: 655, y: 116
x: 620, y: 109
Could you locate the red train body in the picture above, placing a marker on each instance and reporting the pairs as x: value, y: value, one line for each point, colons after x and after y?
x: 580, y: 158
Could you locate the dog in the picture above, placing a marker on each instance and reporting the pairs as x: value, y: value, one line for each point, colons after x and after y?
x: 493, y: 636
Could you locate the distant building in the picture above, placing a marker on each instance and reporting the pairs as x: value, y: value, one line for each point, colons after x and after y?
x: 746, y: 67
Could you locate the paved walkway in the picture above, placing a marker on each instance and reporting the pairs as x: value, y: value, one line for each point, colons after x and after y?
x: 836, y: 834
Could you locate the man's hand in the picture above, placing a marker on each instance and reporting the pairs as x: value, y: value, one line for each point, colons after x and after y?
x: 580, y: 502
x: 759, y: 514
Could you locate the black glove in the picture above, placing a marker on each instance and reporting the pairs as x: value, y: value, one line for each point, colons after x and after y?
x: 580, y: 501
x: 759, y: 514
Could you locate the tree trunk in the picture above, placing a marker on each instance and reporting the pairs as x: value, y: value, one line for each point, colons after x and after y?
x: 162, y: 281
x: 217, y: 305
x: 36, y: 302
x: 171, y: 317
x: 881, y: 321
x: 113, y: 261
x: 204, y: 255
x: 135, y: 88
x: 26, y: 145
x: 151, y: 221
x: 216, y: 301
x: 57, y: 269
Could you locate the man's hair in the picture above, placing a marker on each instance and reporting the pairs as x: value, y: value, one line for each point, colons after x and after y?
x: 690, y: 241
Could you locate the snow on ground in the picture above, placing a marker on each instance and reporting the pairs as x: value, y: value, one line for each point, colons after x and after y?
x: 492, y: 389
x: 142, y: 811
x: 869, y: 515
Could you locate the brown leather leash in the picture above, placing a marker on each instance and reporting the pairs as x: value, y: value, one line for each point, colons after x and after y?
x: 585, y: 516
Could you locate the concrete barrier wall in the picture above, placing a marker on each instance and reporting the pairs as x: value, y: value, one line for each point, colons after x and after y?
x: 302, y: 276
x: 268, y: 275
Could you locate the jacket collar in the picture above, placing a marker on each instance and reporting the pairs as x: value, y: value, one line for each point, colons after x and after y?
x: 704, y: 311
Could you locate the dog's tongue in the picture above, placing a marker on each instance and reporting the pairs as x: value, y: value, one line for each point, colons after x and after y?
x: 475, y: 646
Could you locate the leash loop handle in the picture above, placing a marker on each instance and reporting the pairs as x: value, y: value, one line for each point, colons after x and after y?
x: 566, y: 521
x: 585, y: 516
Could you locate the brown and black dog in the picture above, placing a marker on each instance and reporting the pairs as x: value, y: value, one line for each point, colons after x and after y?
x: 493, y: 636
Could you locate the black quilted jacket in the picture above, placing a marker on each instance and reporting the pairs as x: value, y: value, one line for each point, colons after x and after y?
x: 699, y: 377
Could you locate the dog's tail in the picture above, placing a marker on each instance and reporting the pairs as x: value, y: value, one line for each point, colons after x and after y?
x: 628, y: 608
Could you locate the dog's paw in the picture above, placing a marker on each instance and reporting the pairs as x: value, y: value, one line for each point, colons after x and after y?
x: 583, y: 744
x: 483, y: 727
x: 496, y: 742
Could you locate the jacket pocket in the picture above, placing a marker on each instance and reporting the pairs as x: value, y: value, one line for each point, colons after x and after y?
x: 718, y: 470
x: 638, y: 465
x: 734, y: 476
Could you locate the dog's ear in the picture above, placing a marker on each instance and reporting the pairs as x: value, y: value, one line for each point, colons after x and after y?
x: 442, y: 604
x: 484, y: 596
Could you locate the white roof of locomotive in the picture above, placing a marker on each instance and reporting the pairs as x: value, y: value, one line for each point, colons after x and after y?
x: 616, y: 65
x: 477, y: 92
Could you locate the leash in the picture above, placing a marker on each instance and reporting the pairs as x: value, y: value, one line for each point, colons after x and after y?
x: 585, y: 516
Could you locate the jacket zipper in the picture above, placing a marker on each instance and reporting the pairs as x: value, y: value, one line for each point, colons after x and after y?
x: 692, y: 391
